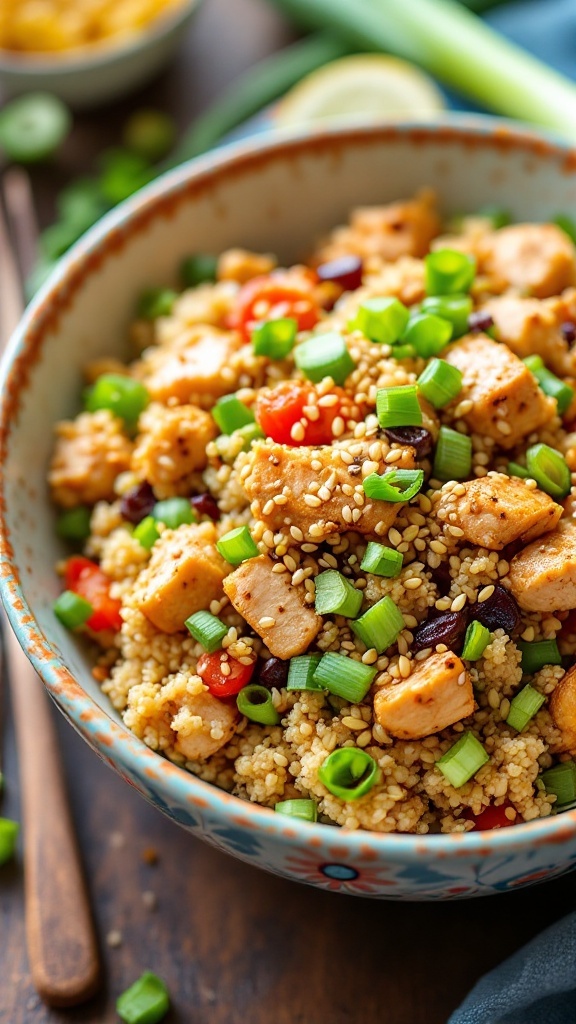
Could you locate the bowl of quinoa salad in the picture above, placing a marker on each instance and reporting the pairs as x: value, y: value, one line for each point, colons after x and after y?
x: 305, y: 572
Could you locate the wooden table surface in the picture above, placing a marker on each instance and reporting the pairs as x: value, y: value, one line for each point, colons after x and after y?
x: 234, y: 945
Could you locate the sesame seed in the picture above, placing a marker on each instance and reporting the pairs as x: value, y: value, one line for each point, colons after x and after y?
x: 345, y: 456
x: 394, y: 537
x: 346, y: 513
x: 369, y: 467
x: 297, y: 432
x: 338, y: 426
x: 370, y: 656
x: 456, y: 531
x: 461, y: 679
x: 485, y: 593
x: 503, y: 427
x: 268, y: 507
x: 290, y: 563
x: 324, y: 493
x: 356, y: 513
x: 266, y: 622
x: 528, y: 634
x: 405, y: 666
x: 296, y: 533
x: 316, y: 465
x: 504, y: 707
x: 279, y: 567
x: 225, y: 668
x: 438, y: 547
x: 327, y: 401
x: 357, y: 724
x: 312, y: 500
x: 410, y: 533
x: 280, y: 499
x: 309, y: 548
x: 394, y: 455
x: 458, y: 603
x: 413, y: 583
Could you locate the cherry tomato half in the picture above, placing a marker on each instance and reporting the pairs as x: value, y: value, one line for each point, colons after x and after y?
x: 280, y: 408
x: 492, y: 817
x: 279, y: 295
x: 210, y: 671
x: 86, y: 578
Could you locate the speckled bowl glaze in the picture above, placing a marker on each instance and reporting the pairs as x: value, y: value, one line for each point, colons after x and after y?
x: 270, y: 195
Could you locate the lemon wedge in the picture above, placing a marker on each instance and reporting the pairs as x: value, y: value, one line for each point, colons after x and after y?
x: 368, y: 86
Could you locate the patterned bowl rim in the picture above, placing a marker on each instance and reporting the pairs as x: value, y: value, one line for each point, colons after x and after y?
x: 112, y: 740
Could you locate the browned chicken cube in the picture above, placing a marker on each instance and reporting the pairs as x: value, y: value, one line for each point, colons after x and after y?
x: 536, y: 259
x: 532, y: 327
x: 507, y: 401
x: 171, y: 446
x: 183, y: 576
x: 273, y: 607
x: 405, y: 228
x: 316, y: 490
x: 498, y: 509
x: 436, y: 694
x: 90, y: 453
x: 542, y: 578
x: 241, y: 265
x: 194, y: 368
x: 213, y: 725
x: 563, y: 710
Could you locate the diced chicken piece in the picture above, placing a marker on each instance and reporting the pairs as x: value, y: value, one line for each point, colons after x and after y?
x: 209, y: 724
x: 311, y: 481
x: 204, y: 304
x: 537, y: 259
x: 273, y: 607
x: 507, y: 401
x: 90, y: 452
x: 532, y: 327
x: 241, y: 265
x: 399, y: 229
x: 563, y: 710
x: 436, y: 694
x: 194, y: 368
x: 171, y: 446
x: 542, y: 577
x: 498, y: 509
x: 183, y: 576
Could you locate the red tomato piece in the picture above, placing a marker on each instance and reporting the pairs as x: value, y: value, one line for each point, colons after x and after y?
x: 280, y: 408
x: 492, y: 817
x: 210, y: 671
x: 274, y: 297
x: 86, y: 578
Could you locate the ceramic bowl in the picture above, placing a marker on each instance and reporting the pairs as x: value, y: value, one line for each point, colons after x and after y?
x: 277, y: 194
x: 87, y: 77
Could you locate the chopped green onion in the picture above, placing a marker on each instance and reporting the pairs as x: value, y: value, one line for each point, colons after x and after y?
x: 428, y: 334
x: 440, y: 382
x: 301, y: 672
x: 237, y: 545
x: 146, y: 532
x: 305, y: 809
x: 549, y: 469
x: 155, y: 302
x: 335, y: 595
x: 550, y: 384
x: 145, y: 1002
x: 324, y: 355
x: 523, y: 707
x: 398, y: 406
x: 448, y: 271
x: 561, y: 781
x: 207, y: 629
x: 123, y: 396
x: 462, y: 760
x: 381, y: 319
x: 255, y: 702
x: 349, y: 773
x: 275, y: 338
x: 32, y: 127
x: 8, y: 836
x: 381, y: 561
x: 198, y: 269
x: 476, y: 641
x: 344, y: 677
x: 498, y: 218
x: 72, y: 610
x: 231, y: 414
x: 453, y: 456
x: 395, y: 485
x: 403, y: 352
x: 567, y: 224
x: 74, y: 523
x: 454, y: 308
x: 174, y: 512
x: 515, y: 469
x: 538, y: 653
x: 251, y: 432
x: 379, y: 627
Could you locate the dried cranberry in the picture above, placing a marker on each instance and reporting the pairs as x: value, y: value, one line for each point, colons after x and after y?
x: 480, y: 321
x: 448, y: 628
x: 346, y: 271
x: 205, y: 505
x: 417, y: 437
x: 274, y: 672
x: 442, y: 578
x: 568, y: 332
x: 499, y: 611
x: 137, y: 503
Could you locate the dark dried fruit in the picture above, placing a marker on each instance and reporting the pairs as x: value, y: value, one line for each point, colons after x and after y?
x: 480, y: 321
x: 568, y: 332
x: 205, y: 505
x: 442, y: 578
x: 137, y: 503
x: 345, y: 271
x: 448, y: 628
x: 417, y: 437
x: 499, y: 611
x: 274, y: 672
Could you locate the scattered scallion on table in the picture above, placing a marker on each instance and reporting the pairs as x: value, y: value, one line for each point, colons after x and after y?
x: 145, y: 1002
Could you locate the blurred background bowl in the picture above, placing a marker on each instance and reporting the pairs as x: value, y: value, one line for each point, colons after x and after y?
x: 89, y: 76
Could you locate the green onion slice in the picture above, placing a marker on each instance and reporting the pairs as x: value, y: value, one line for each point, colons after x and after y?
x: 71, y: 609
x: 8, y: 835
x: 537, y: 654
x: 344, y: 677
x: 382, y: 561
x: 476, y: 641
x: 382, y: 320
x: 336, y: 595
x: 147, y: 532
x: 122, y: 395
x: 380, y: 626
x: 399, y: 406
x: 428, y: 334
x: 515, y: 469
x: 255, y: 702
x: 305, y: 809
x: 155, y: 302
x: 145, y: 1002
x: 207, y: 629
x: 453, y: 456
x: 550, y: 384
x: 462, y: 760
x: 498, y: 218
x: 275, y: 338
x: 440, y: 382
x: 523, y: 707
x: 448, y: 271
x: 324, y: 355
x: 403, y: 352
x: 174, y: 512
x: 237, y: 545
x: 198, y: 269
x: 567, y: 224
x: 231, y: 414
x: 454, y: 308
x: 74, y: 523
x: 549, y: 469
x: 349, y: 773
x: 32, y: 127
x: 301, y: 672
x: 561, y: 781
x: 395, y: 485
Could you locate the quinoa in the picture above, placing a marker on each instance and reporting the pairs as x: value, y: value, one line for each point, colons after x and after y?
x: 293, y: 479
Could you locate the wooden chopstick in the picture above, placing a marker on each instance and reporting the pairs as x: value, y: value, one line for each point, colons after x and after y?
x: 62, y: 946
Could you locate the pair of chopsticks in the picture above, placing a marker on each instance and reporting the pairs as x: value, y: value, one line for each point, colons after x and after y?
x: 62, y: 946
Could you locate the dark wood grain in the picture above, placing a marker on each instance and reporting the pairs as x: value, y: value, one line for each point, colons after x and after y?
x: 234, y: 945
